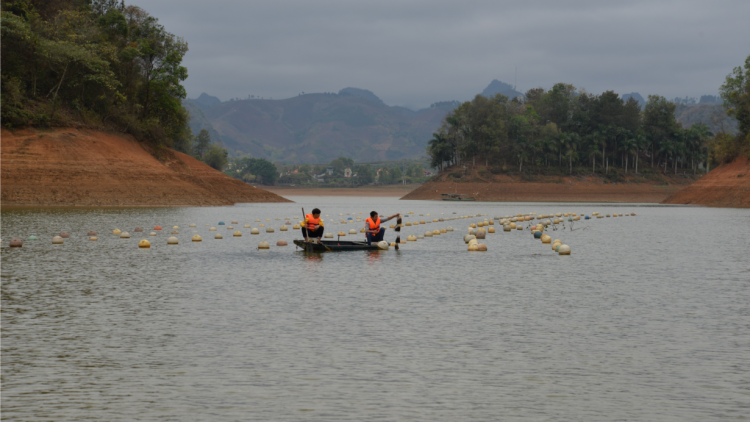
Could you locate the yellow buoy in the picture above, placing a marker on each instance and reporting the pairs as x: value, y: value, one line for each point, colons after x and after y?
x: 264, y: 245
x: 218, y: 236
x: 491, y: 230
x: 342, y: 233
x: 235, y: 222
x: 481, y: 247
x: 255, y: 231
x: 144, y: 244
x: 296, y: 227
x: 261, y: 225
x: 473, y: 247
x: 283, y: 228
x: 269, y: 230
x: 230, y: 228
x: 93, y: 238
x: 546, y: 238
x: 428, y: 234
x: 411, y: 238
x: 172, y: 241
x: 192, y: 225
x: 116, y: 231
x: 212, y: 229
x: 436, y: 232
x: 237, y: 233
x: 197, y: 238
x: 564, y: 250
x: 352, y: 231
x: 57, y: 240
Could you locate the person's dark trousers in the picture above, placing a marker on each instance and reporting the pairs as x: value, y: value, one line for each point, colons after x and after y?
x: 312, y: 234
x: 376, y: 237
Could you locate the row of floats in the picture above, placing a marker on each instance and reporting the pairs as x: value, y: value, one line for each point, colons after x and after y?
x: 476, y: 230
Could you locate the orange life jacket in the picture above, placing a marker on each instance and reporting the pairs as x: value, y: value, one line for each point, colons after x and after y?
x: 374, y: 226
x: 312, y: 221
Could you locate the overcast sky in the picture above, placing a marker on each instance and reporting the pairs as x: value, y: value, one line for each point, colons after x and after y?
x: 413, y: 53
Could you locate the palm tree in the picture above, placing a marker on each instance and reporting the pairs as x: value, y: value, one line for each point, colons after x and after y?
x: 640, y: 142
x: 628, y: 145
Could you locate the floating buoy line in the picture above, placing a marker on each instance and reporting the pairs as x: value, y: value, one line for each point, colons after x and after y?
x: 479, y: 227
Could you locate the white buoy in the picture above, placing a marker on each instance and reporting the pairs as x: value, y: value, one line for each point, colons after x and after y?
x: 563, y: 250
x: 269, y: 230
x: 57, y: 240
x: 255, y: 231
x: 469, y: 237
x: 428, y: 234
x: 383, y: 245
x: 192, y: 225
x: 283, y: 228
x: 328, y: 236
x: 124, y: 235
x: 172, y: 241
x: 152, y: 234
x: 352, y: 231
x: 246, y: 226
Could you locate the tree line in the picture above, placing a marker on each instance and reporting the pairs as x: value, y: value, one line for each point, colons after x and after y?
x: 571, y: 129
x: 97, y: 63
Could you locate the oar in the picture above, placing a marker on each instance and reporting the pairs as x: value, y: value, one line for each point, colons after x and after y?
x: 398, y: 230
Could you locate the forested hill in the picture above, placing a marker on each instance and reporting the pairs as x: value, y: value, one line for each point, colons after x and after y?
x: 316, y: 128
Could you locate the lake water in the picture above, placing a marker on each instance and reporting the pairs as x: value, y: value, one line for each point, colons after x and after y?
x: 648, y: 319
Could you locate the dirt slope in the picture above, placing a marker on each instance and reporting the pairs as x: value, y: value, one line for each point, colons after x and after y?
x: 725, y: 186
x: 75, y: 167
x: 549, y: 189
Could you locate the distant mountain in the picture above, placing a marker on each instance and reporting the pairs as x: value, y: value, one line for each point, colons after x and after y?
x: 205, y: 101
x: 497, y: 87
x: 636, y: 96
x: 316, y: 128
x: 361, y: 93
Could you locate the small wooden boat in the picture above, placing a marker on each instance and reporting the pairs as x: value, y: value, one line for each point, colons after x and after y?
x: 335, y: 246
x: 456, y: 197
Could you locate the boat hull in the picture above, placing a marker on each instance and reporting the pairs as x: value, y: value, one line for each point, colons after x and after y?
x: 335, y: 246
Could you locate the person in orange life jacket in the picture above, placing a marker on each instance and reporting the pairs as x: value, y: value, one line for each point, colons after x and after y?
x: 373, y: 231
x: 312, y: 226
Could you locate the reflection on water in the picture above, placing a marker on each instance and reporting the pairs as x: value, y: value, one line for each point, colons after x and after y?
x: 647, y: 320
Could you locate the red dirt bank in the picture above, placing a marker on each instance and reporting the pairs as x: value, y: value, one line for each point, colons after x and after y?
x: 566, y: 189
x: 75, y: 167
x: 725, y: 186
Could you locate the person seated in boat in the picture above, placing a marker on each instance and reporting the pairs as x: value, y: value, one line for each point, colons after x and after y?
x: 373, y: 231
x: 312, y: 227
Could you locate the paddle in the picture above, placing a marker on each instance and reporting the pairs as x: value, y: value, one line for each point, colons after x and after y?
x: 398, y: 230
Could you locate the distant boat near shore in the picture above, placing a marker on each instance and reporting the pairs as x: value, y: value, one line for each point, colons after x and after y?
x: 456, y: 197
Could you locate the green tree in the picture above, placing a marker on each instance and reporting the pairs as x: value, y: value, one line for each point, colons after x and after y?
x: 216, y: 157
x: 202, y: 144
x: 364, y: 174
